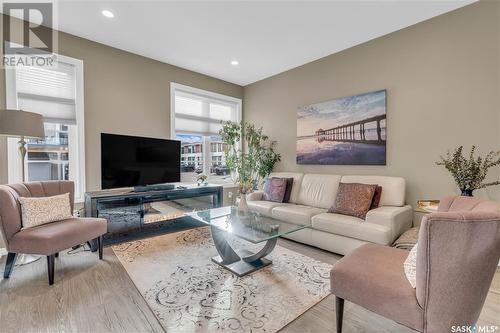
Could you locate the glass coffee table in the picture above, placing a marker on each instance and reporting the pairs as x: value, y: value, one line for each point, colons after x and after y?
x: 252, y: 227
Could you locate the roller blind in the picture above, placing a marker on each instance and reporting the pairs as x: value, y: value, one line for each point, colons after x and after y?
x: 200, y: 114
x: 48, y: 91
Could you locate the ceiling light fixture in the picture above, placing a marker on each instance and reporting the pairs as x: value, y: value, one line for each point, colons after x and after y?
x: 108, y: 14
x: 235, y: 62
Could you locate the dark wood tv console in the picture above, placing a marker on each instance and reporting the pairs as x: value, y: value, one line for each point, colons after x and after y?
x: 133, y: 215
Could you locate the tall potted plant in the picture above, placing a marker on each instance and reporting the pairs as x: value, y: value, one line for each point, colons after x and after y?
x: 470, y: 173
x: 249, y: 165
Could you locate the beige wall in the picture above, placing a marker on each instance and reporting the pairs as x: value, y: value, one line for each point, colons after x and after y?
x: 442, y: 81
x: 442, y: 78
x: 125, y: 94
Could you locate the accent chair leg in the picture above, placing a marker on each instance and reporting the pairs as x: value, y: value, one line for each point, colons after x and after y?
x: 339, y: 311
x: 50, y: 268
x: 100, y: 245
x: 9, y: 264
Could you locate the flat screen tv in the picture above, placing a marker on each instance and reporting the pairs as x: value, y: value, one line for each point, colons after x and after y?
x: 130, y: 161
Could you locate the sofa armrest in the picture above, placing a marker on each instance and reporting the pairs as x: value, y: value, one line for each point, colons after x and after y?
x: 398, y: 219
x: 255, y: 196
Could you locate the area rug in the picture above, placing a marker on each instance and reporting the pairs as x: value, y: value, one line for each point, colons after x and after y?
x: 189, y: 293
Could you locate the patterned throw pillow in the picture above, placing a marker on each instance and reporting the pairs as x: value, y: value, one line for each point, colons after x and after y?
x: 410, y: 266
x: 274, y: 189
x: 353, y: 199
x: 38, y: 211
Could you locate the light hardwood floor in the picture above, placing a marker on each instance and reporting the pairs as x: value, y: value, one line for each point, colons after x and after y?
x: 98, y: 296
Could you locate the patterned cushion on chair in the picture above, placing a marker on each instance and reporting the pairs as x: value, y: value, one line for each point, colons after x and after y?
x: 410, y: 266
x: 42, y: 210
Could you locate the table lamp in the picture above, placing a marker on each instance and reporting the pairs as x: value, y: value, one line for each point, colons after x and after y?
x: 21, y: 124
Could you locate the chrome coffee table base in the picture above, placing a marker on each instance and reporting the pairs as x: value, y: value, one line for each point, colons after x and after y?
x: 242, y: 262
x: 242, y: 268
x: 25, y: 259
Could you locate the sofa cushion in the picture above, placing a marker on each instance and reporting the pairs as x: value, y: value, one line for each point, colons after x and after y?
x: 255, y: 196
x: 353, y: 199
x: 297, y: 180
x: 397, y: 219
x: 297, y: 214
x: 393, y: 188
x: 372, y: 277
x: 263, y: 207
x: 353, y: 227
x: 318, y: 190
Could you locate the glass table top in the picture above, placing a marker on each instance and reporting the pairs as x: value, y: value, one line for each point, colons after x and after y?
x: 252, y: 227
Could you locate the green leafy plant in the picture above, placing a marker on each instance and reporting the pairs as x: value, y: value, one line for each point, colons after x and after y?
x: 470, y: 173
x: 251, y: 165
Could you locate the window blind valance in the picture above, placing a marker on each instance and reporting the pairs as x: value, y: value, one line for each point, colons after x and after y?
x: 48, y: 91
x: 203, y: 115
x: 53, y: 82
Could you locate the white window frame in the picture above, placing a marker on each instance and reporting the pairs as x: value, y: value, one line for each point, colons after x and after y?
x: 176, y: 87
x: 14, y: 174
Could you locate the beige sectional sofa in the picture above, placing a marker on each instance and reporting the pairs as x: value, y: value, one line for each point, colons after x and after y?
x: 313, y: 194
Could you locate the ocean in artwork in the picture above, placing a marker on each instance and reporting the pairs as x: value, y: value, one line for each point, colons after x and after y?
x: 344, y: 131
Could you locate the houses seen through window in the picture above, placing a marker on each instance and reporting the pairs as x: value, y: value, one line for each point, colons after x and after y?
x: 192, y: 158
x: 48, y: 158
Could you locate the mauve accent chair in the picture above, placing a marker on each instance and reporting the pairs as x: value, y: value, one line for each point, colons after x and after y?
x: 47, y: 239
x: 457, y: 256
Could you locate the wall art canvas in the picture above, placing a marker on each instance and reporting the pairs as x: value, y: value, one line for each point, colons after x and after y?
x: 343, y: 131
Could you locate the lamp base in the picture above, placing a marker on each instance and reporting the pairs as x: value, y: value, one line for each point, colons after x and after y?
x: 26, y: 259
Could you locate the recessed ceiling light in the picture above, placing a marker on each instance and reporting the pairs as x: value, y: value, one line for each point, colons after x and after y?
x: 108, y: 14
x: 235, y: 62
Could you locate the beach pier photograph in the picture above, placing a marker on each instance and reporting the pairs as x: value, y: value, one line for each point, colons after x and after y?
x: 344, y: 131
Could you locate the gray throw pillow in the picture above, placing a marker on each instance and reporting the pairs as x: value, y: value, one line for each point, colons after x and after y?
x: 288, y: 191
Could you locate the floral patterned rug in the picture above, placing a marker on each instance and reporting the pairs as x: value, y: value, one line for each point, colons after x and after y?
x: 189, y: 293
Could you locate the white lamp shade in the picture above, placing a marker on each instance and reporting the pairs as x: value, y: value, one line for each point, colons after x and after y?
x: 17, y: 123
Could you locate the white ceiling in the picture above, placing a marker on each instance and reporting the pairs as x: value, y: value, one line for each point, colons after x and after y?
x: 266, y: 37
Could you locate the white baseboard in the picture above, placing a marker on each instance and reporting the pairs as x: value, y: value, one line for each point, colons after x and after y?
x: 3, y: 252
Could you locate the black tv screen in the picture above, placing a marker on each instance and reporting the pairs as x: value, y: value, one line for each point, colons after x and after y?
x: 128, y: 161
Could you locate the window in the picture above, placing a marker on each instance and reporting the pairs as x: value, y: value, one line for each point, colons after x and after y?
x: 57, y: 94
x: 197, y: 117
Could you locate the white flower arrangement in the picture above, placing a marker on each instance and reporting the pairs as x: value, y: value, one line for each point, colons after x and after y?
x: 201, y: 178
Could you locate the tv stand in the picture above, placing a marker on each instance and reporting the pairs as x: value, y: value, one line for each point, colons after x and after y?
x: 132, y: 215
x: 155, y: 187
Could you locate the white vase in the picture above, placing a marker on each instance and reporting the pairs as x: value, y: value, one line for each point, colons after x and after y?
x: 243, y: 206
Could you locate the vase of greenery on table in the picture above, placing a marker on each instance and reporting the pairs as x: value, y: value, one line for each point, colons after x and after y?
x: 470, y: 172
x: 251, y: 163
